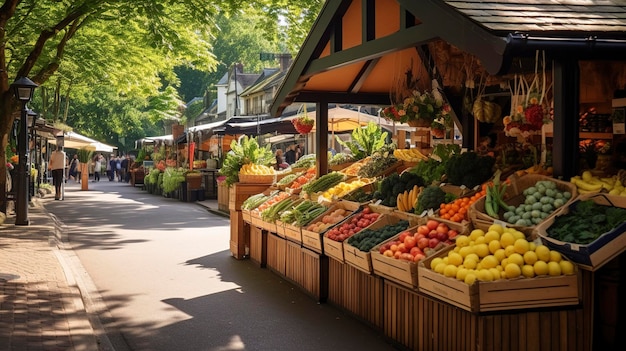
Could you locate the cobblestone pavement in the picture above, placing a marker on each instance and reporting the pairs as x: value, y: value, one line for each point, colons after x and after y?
x: 40, y: 305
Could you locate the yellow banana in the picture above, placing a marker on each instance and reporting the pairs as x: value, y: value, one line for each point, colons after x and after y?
x: 399, y: 202
x: 583, y: 185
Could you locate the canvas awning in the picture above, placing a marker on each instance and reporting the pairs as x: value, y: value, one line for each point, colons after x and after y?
x: 73, y: 140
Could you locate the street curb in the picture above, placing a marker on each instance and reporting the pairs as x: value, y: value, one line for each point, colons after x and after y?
x: 81, y: 285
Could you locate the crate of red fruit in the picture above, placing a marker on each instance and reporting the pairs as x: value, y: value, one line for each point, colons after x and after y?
x: 334, y: 238
x: 396, y: 259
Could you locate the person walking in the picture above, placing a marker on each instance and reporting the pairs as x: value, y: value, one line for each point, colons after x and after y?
x: 125, y: 171
x: 74, y: 168
x: 57, y: 167
x: 111, y: 168
x: 97, y: 168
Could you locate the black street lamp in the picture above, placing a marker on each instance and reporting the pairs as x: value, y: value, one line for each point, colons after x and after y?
x: 23, y: 89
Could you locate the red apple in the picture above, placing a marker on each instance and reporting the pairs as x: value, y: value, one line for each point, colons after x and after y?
x: 423, y: 230
x: 397, y: 254
x: 402, y: 248
x: 406, y: 256
x: 432, y: 243
x: 442, y: 236
x: 452, y: 233
x: 410, y: 242
x: 432, y: 234
x: 394, y: 248
x: 442, y: 228
x: 432, y: 224
x: 388, y: 253
x: 422, y: 243
x: 416, y: 251
x: 403, y: 235
x: 419, y: 236
x: 418, y: 257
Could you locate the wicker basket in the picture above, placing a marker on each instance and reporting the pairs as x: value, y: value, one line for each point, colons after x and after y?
x: 514, y: 196
x: 257, y: 178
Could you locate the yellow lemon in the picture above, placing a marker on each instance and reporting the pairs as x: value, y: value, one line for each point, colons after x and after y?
x: 495, y: 273
x: 456, y: 249
x: 521, y: 246
x: 567, y: 267
x: 455, y: 259
x: 532, y: 246
x: 450, y: 271
x: 516, y: 259
x: 507, y: 239
x: 512, y: 270
x: 530, y: 257
x: 494, y: 246
x: 491, y: 235
x: 470, y: 263
x: 502, y: 274
x: 518, y: 235
x: 554, y: 268
x: 489, y: 261
x: 440, y: 267
x: 473, y: 256
x: 555, y: 256
x: 497, y: 228
x: 528, y: 271
x: 504, y: 262
x: 481, y: 250
x: 543, y: 253
x: 480, y: 240
x: 499, y: 268
x: 475, y: 234
x: 435, y: 262
x: 445, y: 260
x: 509, y: 250
x: 461, y: 273
x: 541, y: 268
x: 462, y: 241
x: 484, y: 275
x: 465, y: 250
x: 499, y: 254
x: 470, y: 278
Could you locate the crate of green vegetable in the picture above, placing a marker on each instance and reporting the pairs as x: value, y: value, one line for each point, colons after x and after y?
x: 356, y: 250
x: 528, y: 201
x: 591, y: 231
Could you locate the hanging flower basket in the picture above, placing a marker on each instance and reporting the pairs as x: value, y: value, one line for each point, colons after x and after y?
x: 303, y: 126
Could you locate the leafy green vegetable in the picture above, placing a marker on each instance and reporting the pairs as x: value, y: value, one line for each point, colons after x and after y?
x: 469, y: 169
x: 586, y: 222
x: 365, y: 140
x: 430, y: 198
x: 172, y: 178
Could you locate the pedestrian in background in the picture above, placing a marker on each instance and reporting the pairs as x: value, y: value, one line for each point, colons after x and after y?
x: 290, y: 155
x: 97, y: 168
x: 111, y: 168
x: 125, y: 170
x: 74, y: 168
x: 57, y: 167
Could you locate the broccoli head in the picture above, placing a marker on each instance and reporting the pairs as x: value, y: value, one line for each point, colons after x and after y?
x: 430, y: 198
x: 469, y: 169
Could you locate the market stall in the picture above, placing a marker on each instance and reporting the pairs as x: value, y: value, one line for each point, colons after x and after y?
x: 438, y: 56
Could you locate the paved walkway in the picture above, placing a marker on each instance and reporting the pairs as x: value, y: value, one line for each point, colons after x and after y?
x: 40, y: 303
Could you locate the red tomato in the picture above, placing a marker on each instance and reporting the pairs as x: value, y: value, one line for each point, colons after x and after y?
x: 432, y: 224
x: 367, y: 210
x: 410, y: 242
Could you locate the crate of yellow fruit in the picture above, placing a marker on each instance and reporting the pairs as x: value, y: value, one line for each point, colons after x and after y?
x: 251, y: 173
x: 499, y: 270
x: 345, y: 188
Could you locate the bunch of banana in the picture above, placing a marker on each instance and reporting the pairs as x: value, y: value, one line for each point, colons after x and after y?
x: 588, y: 183
x: 409, y: 155
x: 407, y: 200
x: 254, y: 169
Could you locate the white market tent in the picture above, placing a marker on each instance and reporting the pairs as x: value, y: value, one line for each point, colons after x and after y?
x: 73, y: 140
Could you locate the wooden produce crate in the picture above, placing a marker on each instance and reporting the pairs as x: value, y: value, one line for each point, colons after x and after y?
x: 363, y: 260
x: 239, y: 235
x: 313, y: 240
x: 223, y: 195
x: 293, y: 233
x: 505, y: 294
x: 307, y: 269
x: 597, y: 253
x: 333, y: 248
x: 247, y: 216
x: 514, y: 196
x: 239, y: 192
x: 280, y: 228
x: 357, y: 292
x: 276, y: 250
x: 401, y: 271
x: 258, y: 246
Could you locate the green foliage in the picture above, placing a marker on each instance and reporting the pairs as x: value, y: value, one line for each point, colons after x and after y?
x: 84, y: 155
x: 246, y: 150
x: 469, y: 169
x: 172, y: 178
x: 364, y: 141
x: 586, y: 221
x: 152, y: 177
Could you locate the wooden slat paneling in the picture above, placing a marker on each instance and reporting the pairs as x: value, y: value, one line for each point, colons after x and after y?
x: 258, y: 246
x: 276, y: 253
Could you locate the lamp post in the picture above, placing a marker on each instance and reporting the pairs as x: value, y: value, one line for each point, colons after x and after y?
x: 23, y: 89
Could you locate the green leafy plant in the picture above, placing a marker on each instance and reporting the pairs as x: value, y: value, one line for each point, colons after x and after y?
x: 364, y: 141
x: 246, y: 150
x: 84, y: 155
x: 172, y: 178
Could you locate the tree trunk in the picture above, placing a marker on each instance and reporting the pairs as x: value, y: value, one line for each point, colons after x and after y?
x: 7, y: 107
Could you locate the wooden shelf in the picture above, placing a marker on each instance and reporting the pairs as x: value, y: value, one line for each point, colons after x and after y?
x: 591, y: 135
